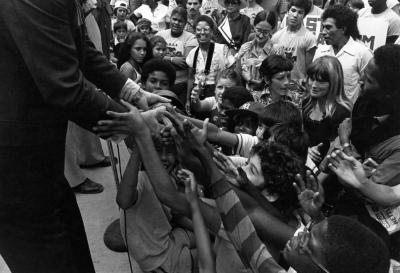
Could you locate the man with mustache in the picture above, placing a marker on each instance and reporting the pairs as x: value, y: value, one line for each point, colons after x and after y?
x: 193, y: 11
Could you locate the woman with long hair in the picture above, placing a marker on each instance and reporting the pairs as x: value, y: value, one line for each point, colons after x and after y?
x: 325, y: 106
x: 135, y: 51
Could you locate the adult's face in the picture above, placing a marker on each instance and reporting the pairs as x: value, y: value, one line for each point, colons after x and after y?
x: 263, y: 31
x: 203, y: 32
x: 318, y: 89
x: 295, y: 16
x: 177, y: 24
x: 331, y: 33
x: 193, y: 7
x: 232, y: 6
x: 370, y: 81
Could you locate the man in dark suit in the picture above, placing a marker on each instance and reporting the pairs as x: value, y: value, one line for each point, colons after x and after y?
x: 44, y: 57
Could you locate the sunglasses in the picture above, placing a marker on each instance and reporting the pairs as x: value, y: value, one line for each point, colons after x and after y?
x: 305, y: 236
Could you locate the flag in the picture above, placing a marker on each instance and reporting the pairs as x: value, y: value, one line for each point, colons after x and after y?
x: 225, y: 30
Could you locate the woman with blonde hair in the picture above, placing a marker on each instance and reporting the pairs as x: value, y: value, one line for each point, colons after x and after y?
x: 325, y: 105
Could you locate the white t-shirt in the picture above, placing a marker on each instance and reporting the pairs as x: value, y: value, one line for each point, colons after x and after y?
x: 294, y: 45
x: 388, y: 15
x: 176, y: 45
x: 354, y: 57
x: 158, y: 18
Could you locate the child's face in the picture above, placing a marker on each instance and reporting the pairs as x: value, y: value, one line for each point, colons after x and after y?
x: 167, y: 155
x: 160, y: 50
x: 139, y: 51
x: 121, y: 14
x: 121, y: 34
x: 261, y: 129
x: 144, y: 29
x: 222, y: 84
x: 245, y: 124
x: 253, y: 171
x: 157, y: 80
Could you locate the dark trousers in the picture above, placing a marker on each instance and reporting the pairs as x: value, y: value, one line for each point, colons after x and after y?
x: 41, y: 229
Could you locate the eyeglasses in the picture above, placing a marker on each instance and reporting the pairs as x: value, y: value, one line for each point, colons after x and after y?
x: 305, y: 236
x: 205, y: 29
x: 263, y: 31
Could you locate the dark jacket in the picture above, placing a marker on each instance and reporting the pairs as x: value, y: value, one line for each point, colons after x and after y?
x: 44, y: 57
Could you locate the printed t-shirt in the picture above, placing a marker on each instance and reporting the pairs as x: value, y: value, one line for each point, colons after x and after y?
x: 388, y: 15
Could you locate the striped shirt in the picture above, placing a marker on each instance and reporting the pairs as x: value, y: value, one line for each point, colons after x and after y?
x: 241, y: 232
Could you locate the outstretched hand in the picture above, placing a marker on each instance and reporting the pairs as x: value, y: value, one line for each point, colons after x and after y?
x: 310, y: 194
x: 349, y: 170
x: 226, y: 166
x: 128, y: 123
x: 187, y: 177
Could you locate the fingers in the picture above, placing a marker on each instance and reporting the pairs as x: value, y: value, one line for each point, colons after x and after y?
x: 311, y: 182
x: 178, y: 125
x: 205, y: 126
x: 128, y: 106
x: 300, y: 186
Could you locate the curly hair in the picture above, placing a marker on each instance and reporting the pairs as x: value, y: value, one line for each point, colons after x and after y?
x: 237, y: 95
x: 279, y: 166
x: 344, y: 18
x: 274, y: 64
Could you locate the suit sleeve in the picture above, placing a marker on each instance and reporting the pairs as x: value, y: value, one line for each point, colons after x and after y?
x: 46, y: 34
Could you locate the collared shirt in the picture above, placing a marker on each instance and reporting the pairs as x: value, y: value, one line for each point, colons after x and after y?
x: 251, y: 61
x: 353, y: 56
x: 159, y: 17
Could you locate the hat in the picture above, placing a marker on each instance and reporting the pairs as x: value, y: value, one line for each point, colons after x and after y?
x: 143, y: 22
x: 252, y: 108
x: 120, y: 4
x: 243, y: 3
x: 172, y: 96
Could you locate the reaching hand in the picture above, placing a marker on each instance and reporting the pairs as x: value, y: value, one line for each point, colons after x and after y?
x: 314, y: 153
x: 194, y: 95
x: 128, y: 123
x: 187, y: 177
x: 349, y: 171
x: 226, y: 166
x: 344, y: 130
x: 310, y: 194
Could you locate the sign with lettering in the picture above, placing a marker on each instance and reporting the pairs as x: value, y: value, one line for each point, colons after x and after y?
x: 314, y: 24
x: 389, y: 217
x: 373, y: 32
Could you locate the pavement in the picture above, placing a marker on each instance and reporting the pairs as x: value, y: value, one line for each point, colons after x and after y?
x: 98, y: 211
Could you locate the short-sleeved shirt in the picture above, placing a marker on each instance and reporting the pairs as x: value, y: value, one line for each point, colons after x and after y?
x: 159, y: 17
x: 245, y: 143
x: 354, y: 57
x: 176, y: 47
x: 388, y: 15
x: 251, y: 60
x: 220, y: 61
x: 148, y: 227
x: 294, y: 45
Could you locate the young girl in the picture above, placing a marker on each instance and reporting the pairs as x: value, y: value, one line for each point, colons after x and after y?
x: 326, y: 105
x: 134, y: 53
x: 159, y: 46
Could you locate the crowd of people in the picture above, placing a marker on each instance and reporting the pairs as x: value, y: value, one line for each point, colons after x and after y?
x: 254, y: 145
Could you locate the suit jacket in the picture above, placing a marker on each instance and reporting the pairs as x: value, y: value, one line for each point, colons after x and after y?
x: 44, y: 56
